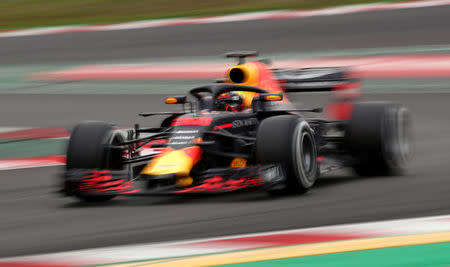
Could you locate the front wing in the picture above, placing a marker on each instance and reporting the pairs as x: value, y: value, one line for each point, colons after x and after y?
x: 219, y: 180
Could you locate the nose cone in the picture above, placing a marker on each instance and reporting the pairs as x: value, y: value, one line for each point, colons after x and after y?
x: 177, y: 162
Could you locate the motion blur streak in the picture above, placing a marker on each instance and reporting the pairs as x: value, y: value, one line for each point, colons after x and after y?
x: 421, y: 26
x: 384, y: 66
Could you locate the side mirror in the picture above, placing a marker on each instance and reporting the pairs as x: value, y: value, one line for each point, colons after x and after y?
x: 270, y: 97
x: 176, y: 100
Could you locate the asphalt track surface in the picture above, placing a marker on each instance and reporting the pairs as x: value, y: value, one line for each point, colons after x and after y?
x: 420, y: 26
x: 35, y: 220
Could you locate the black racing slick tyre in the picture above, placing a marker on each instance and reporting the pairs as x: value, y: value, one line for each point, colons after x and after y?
x: 288, y: 140
x: 379, y: 138
x: 87, y: 149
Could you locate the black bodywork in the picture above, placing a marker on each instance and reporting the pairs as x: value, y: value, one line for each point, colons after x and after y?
x: 224, y: 137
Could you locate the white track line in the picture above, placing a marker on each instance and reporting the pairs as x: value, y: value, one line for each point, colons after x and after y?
x: 12, y: 129
x: 214, y: 245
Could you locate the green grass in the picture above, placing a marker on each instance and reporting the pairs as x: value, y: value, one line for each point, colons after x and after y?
x: 32, y: 148
x: 15, y: 14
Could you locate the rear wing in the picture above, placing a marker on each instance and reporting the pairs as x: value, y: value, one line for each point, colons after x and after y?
x: 346, y: 87
x: 316, y: 79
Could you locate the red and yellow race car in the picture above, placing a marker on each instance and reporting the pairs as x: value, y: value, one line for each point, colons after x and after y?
x: 242, y: 132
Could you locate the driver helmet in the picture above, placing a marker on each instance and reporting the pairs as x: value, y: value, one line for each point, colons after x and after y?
x: 230, y: 101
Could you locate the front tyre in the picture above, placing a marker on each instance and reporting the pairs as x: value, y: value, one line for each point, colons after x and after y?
x: 288, y: 140
x: 88, y: 149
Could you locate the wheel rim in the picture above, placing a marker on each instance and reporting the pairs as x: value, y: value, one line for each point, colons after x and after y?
x: 399, y: 139
x: 307, y: 153
x: 305, y: 157
x: 403, y: 147
x: 397, y: 133
x: 113, y: 158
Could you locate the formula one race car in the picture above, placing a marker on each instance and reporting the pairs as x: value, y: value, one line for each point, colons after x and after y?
x: 241, y: 132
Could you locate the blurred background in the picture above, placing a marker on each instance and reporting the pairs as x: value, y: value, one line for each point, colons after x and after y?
x: 66, y: 61
x: 30, y: 13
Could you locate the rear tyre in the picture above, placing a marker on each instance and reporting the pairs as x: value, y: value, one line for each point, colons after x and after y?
x: 288, y: 140
x: 379, y: 138
x: 87, y: 149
